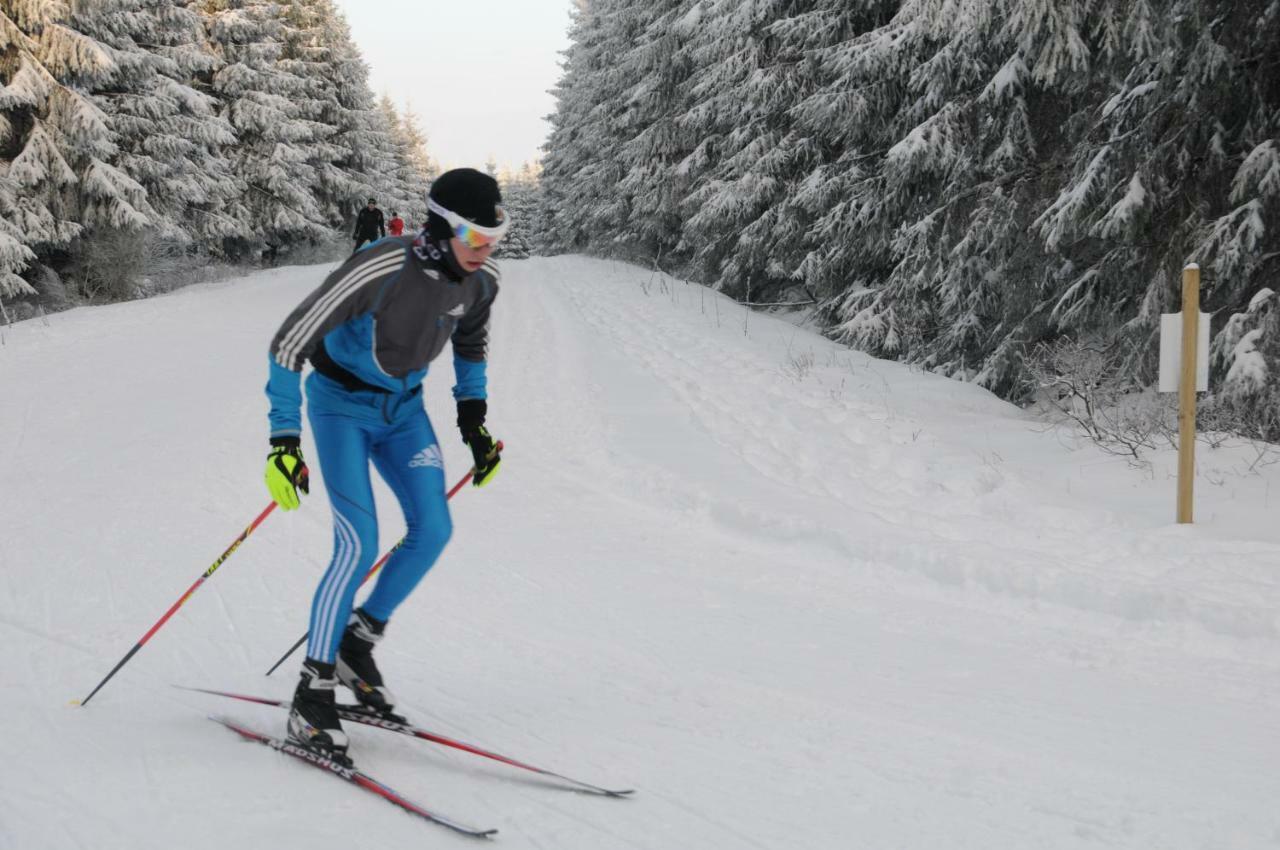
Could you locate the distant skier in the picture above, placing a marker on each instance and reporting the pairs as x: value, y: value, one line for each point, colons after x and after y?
x: 395, y: 227
x: 369, y: 331
x: 369, y: 224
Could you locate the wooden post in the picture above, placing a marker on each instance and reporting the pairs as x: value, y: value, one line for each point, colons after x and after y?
x: 1187, y: 391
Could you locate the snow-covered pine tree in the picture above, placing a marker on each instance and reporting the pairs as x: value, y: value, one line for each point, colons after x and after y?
x: 1246, y: 353
x: 171, y: 140
x: 407, y: 187
x: 759, y: 175
x: 242, y: 124
x: 583, y: 164
x: 925, y: 116
x: 996, y: 105
x: 520, y: 199
x: 280, y: 150
x: 20, y: 96
x: 381, y: 181
x: 956, y: 180
x: 54, y: 141
x: 1155, y: 155
x: 652, y: 141
x: 15, y: 255
x: 416, y: 141
x: 350, y: 154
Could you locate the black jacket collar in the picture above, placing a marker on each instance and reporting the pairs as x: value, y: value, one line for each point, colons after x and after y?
x: 437, y: 253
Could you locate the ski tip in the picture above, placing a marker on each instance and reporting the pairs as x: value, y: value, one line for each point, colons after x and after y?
x: 193, y: 690
x: 196, y: 690
x: 468, y: 831
x: 232, y: 695
x: 232, y: 725
x: 595, y: 790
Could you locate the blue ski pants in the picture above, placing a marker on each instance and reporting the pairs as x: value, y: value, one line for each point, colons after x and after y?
x: 352, y: 428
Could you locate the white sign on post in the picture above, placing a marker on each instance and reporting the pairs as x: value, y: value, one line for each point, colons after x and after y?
x: 1171, y: 352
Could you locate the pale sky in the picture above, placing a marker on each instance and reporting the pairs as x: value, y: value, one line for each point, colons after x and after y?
x: 477, y: 72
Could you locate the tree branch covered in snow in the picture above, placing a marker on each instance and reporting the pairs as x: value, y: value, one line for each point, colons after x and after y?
x: 235, y: 128
x: 957, y: 180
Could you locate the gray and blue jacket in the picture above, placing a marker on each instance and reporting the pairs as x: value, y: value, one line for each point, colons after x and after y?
x: 379, y: 320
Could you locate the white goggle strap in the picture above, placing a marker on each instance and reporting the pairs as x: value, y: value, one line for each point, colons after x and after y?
x: 456, y: 221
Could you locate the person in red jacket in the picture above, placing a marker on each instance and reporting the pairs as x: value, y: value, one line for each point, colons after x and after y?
x: 396, y: 226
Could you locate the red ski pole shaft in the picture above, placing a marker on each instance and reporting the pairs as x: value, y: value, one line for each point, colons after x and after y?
x: 452, y: 492
x: 182, y: 599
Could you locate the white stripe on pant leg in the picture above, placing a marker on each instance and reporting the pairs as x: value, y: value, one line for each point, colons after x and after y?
x: 353, y: 565
x: 340, y: 556
x: 334, y: 583
x: 328, y: 621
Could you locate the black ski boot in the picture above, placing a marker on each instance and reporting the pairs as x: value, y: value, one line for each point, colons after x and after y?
x: 356, y: 668
x: 313, y: 719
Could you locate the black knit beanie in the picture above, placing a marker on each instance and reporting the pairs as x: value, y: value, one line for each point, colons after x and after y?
x: 471, y: 194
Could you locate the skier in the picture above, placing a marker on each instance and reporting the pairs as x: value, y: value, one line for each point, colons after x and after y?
x: 395, y: 227
x: 369, y: 226
x: 369, y: 331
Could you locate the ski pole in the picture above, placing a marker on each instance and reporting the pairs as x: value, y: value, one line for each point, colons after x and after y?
x: 181, y: 600
x: 376, y: 567
x: 367, y: 576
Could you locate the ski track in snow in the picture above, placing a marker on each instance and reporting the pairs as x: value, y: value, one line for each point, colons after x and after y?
x: 795, y: 596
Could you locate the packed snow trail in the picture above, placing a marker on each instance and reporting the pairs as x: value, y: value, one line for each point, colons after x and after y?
x: 795, y: 596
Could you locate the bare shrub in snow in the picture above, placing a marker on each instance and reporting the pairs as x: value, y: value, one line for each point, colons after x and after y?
x: 799, y: 364
x: 1091, y: 385
x: 107, y: 265
x: 114, y: 265
x: 1086, y: 383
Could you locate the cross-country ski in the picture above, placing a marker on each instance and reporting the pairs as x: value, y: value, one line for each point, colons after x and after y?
x: 392, y: 723
x: 351, y: 774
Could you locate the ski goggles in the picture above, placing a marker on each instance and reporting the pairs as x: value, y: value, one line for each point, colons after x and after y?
x: 473, y: 235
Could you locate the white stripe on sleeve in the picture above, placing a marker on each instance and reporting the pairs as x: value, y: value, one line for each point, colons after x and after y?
x: 291, y: 345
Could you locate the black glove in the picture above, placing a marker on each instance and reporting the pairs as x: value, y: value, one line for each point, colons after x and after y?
x: 484, y: 449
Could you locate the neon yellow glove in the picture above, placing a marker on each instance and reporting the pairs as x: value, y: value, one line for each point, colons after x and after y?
x: 286, y: 472
x: 485, y: 451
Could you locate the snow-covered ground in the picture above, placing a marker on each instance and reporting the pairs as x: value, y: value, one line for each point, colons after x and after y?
x: 796, y: 597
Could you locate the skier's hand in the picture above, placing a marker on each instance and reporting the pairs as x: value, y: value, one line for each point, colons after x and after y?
x: 487, y: 454
x: 286, y: 472
x: 485, y: 451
